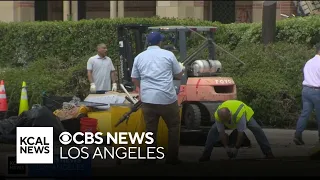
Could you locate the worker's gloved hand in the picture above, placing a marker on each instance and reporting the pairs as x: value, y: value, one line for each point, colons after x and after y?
x: 114, y: 87
x: 229, y: 152
x: 93, y: 88
x: 181, y: 65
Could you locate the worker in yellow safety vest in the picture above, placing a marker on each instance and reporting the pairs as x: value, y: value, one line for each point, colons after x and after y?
x: 234, y: 114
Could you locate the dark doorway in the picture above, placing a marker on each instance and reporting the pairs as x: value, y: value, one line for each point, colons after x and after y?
x: 55, y: 10
x: 41, y: 10
x: 82, y: 9
x: 224, y: 11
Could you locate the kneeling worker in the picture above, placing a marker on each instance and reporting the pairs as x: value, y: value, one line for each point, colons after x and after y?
x: 234, y: 114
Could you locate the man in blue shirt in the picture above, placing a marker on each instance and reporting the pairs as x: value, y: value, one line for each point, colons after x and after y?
x: 153, y: 72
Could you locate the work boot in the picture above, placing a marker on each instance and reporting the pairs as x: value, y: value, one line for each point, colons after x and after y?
x: 298, y: 141
x: 173, y: 162
x: 204, y: 159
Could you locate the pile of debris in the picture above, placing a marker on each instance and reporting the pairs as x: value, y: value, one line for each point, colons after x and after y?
x: 44, y: 116
x: 71, y: 110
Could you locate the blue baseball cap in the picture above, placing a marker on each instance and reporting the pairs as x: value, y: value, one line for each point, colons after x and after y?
x: 154, y: 38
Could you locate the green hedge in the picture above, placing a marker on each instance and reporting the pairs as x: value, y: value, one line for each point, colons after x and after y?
x: 52, y: 56
x: 24, y: 42
x: 271, y: 80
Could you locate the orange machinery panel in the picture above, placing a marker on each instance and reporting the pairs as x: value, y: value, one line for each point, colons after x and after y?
x: 208, y: 89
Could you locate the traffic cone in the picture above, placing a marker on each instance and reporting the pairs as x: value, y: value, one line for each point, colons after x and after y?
x: 3, y: 98
x: 24, y: 106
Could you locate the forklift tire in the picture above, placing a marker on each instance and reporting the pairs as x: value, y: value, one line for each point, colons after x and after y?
x: 192, y: 117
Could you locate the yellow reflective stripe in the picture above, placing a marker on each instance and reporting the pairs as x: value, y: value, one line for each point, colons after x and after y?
x: 235, y: 115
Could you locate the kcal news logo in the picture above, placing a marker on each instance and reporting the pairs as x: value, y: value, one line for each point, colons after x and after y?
x: 34, y: 145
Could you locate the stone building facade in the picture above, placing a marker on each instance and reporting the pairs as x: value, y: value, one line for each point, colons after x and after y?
x: 223, y: 11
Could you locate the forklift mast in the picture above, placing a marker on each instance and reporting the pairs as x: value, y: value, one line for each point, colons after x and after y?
x: 190, y: 60
x: 131, y: 43
x: 181, y: 33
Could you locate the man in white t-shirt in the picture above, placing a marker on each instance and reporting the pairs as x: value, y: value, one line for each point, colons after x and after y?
x: 101, y: 71
x: 310, y: 96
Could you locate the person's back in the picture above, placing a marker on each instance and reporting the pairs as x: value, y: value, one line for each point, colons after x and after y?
x: 156, y: 68
x: 152, y: 72
x: 237, y: 106
x: 311, y: 72
x: 237, y: 109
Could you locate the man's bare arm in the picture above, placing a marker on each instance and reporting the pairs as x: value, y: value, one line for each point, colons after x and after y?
x: 90, y: 76
x: 178, y: 76
x: 136, y: 82
x: 222, y: 134
x: 223, y: 138
x: 176, y: 68
x: 113, y: 76
x: 241, y: 126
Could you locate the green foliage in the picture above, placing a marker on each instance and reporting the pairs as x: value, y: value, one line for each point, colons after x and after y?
x: 271, y: 80
x: 28, y: 41
x: 52, y: 56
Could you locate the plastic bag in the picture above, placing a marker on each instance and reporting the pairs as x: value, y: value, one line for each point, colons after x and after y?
x: 7, y: 125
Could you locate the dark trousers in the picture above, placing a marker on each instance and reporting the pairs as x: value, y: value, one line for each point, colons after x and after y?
x: 252, y: 125
x: 101, y: 92
x: 171, y: 115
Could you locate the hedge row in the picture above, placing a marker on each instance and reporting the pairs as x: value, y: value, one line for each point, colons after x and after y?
x: 56, y: 54
x: 270, y: 81
x: 24, y: 42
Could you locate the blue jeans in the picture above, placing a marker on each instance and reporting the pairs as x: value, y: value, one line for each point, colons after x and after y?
x: 252, y: 125
x: 310, y: 101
